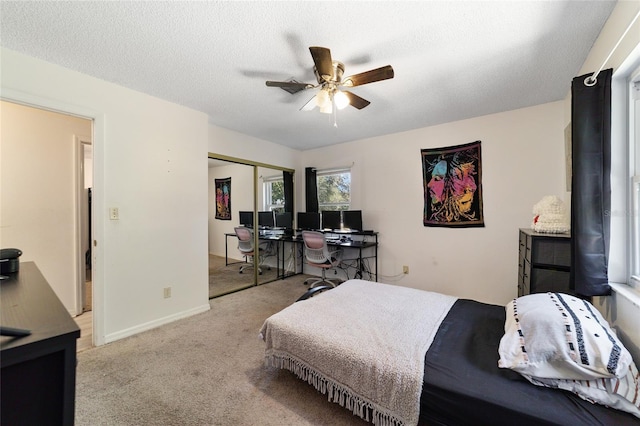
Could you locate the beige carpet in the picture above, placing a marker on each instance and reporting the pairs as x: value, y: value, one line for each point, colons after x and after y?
x: 204, y: 370
x: 224, y: 279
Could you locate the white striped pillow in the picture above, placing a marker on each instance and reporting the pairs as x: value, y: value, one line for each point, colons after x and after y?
x: 558, y: 336
x: 619, y: 393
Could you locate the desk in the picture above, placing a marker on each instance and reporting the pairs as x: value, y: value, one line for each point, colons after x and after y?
x: 281, y: 239
x: 348, y: 243
x: 38, y: 371
x: 226, y: 248
x: 360, y: 245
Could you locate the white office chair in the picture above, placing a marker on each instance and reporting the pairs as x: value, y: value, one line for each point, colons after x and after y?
x: 245, y: 246
x: 316, y: 252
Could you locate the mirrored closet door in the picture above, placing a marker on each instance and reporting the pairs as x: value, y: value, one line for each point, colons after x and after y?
x: 245, y: 195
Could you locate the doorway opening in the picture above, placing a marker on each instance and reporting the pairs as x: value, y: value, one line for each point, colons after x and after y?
x: 42, y: 185
x: 84, y: 182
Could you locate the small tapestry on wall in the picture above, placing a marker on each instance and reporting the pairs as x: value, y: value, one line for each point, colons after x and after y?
x: 223, y: 199
x: 452, y: 181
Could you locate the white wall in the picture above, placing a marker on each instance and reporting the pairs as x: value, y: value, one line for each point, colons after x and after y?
x: 234, y: 144
x: 522, y: 161
x: 88, y: 166
x: 241, y: 199
x: 37, y: 190
x: 150, y: 161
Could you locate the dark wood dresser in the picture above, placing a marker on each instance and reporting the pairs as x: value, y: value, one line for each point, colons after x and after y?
x: 38, y: 371
x: 544, y: 262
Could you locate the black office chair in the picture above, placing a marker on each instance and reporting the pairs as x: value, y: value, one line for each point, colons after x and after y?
x: 314, y: 291
x: 316, y: 252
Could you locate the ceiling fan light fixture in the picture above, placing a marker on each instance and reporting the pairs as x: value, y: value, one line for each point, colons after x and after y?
x: 324, y: 102
x: 326, y: 108
x: 323, y: 99
x: 341, y: 99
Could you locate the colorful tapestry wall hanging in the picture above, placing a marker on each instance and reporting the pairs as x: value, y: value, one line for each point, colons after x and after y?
x: 223, y: 199
x: 452, y: 179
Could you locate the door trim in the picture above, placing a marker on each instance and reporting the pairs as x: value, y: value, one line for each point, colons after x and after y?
x: 97, y: 220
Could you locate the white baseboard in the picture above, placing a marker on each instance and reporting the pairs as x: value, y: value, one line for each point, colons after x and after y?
x: 156, y: 323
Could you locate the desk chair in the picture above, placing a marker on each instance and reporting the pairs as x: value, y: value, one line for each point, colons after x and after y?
x: 245, y: 246
x: 316, y: 252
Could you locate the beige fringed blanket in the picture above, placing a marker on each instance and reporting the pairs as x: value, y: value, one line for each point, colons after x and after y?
x: 363, y: 344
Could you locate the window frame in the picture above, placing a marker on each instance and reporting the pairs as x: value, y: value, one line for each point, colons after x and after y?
x: 634, y: 267
x: 331, y: 172
x: 633, y: 194
x: 625, y: 164
x: 267, y: 194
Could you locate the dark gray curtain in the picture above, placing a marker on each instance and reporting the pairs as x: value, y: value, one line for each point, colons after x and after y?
x: 590, y: 184
x: 288, y: 191
x: 311, y: 190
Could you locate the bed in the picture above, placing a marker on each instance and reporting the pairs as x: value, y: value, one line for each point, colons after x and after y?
x: 394, y: 355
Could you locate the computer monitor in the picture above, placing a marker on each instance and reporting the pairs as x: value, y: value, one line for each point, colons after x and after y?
x: 331, y: 219
x: 284, y: 220
x: 308, y: 220
x: 246, y: 218
x: 265, y: 219
x: 352, y: 220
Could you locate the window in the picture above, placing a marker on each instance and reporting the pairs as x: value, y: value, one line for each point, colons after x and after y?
x: 334, y: 189
x: 634, y: 195
x: 273, y: 188
x: 624, y: 254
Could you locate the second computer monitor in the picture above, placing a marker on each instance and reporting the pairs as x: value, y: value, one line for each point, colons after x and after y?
x: 352, y: 220
x: 308, y: 220
x: 284, y: 220
x: 246, y: 218
x: 331, y: 219
x: 265, y: 219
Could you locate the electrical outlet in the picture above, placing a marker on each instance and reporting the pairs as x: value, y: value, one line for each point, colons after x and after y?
x: 167, y: 292
x: 405, y: 269
x: 114, y: 214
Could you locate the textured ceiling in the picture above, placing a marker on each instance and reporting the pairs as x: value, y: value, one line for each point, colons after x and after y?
x: 452, y: 60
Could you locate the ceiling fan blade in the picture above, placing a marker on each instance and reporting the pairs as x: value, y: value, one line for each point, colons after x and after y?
x: 311, y: 104
x: 322, y: 60
x: 382, y: 73
x: 290, y: 86
x: 355, y: 100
